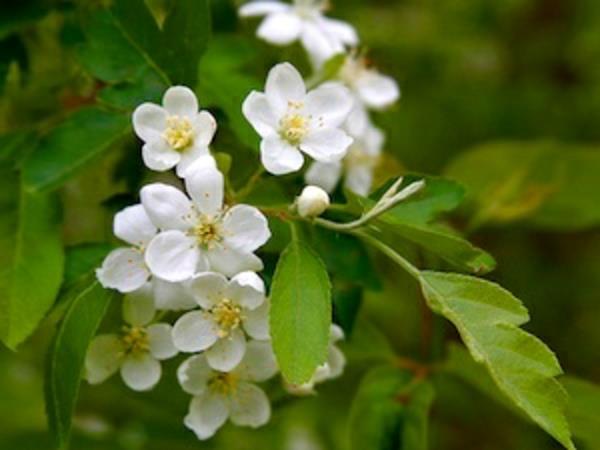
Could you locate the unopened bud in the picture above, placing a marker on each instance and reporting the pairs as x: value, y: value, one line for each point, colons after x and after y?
x: 312, y: 202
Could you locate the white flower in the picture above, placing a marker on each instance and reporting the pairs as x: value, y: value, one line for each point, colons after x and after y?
x: 303, y: 20
x: 357, y: 167
x: 220, y: 395
x: 228, y: 309
x: 124, y: 268
x: 201, y: 234
x: 312, y: 202
x: 374, y: 90
x: 168, y: 296
x: 332, y: 368
x: 290, y: 120
x: 136, y: 352
x: 175, y: 134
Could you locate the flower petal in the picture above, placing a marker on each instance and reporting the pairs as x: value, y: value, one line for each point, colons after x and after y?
x: 123, y: 269
x: 194, y: 373
x: 259, y: 363
x: 330, y: 104
x: 103, y: 358
x: 262, y: 8
x: 359, y: 179
x: 247, y: 289
x: 257, y: 110
x: 172, y: 256
x: 336, y: 333
x: 207, y: 413
x: 133, y: 226
x: 205, y: 186
x: 138, y: 306
x: 208, y: 289
x: 357, y: 121
x: 324, y: 175
x: 141, y: 372
x: 318, y: 44
x: 256, y: 322
x: 205, y: 126
x: 190, y: 157
x: 377, y: 91
x: 336, y: 362
x: 227, y: 352
x: 172, y: 296
x: 280, y: 28
x: 250, y: 406
x: 159, y: 156
x: 161, y: 342
x: 149, y: 122
x: 245, y: 228
x: 279, y: 157
x: 326, y: 144
x: 180, y: 101
x: 167, y: 207
x: 284, y: 84
x: 231, y: 262
x: 194, y: 332
x: 340, y: 30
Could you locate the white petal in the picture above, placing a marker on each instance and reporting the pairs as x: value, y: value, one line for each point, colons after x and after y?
x: 172, y: 256
x: 280, y: 28
x: 326, y: 144
x: 340, y: 30
x: 245, y: 228
x: 357, y: 121
x: 322, y: 373
x: 133, y: 225
x: 250, y: 406
x: 324, y: 175
x: 336, y: 362
x: 140, y: 372
x: 227, y: 352
x: 377, y: 91
x: 256, y: 322
x: 194, y: 373
x: 207, y: 413
x: 138, y: 306
x: 336, y: 333
x: 123, y: 269
x: 259, y: 363
x: 167, y: 207
x: 359, y: 180
x: 262, y: 8
x: 161, y: 342
x: 180, y: 101
x: 247, y: 289
x: 149, y: 121
x: 373, y: 140
x: 319, y: 46
x: 257, y: 110
x: 190, y: 157
x: 230, y: 262
x: 172, y: 296
x: 205, y: 186
x: 330, y: 104
x: 284, y: 84
x: 204, y: 125
x: 159, y: 156
x: 208, y: 289
x: 103, y: 358
x: 194, y: 332
x: 279, y: 157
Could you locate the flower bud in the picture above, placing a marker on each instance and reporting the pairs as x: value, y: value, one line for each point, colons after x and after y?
x: 312, y: 202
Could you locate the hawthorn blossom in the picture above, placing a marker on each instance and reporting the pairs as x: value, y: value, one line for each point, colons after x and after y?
x: 229, y: 308
x: 124, y: 268
x: 168, y: 296
x: 135, y: 352
x: 357, y: 167
x: 302, y: 20
x: 219, y: 396
x: 176, y: 134
x: 201, y: 234
x: 312, y: 202
x: 291, y: 121
x: 332, y: 368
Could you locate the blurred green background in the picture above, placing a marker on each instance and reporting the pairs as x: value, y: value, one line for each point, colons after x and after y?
x: 473, y: 73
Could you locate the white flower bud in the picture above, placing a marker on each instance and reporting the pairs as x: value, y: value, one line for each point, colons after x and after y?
x: 312, y: 202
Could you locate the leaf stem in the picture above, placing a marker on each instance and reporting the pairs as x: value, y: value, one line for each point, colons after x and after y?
x: 250, y: 184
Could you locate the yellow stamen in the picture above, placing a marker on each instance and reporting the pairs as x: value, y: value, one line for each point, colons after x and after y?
x: 135, y: 340
x: 208, y: 232
x: 179, y: 133
x: 223, y: 383
x: 227, y: 315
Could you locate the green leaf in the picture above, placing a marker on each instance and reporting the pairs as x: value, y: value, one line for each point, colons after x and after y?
x: 67, y: 355
x: 584, y: 410
x: 543, y: 184
x: 82, y: 259
x: 488, y: 319
x: 174, y: 49
x: 72, y: 145
x: 390, y: 411
x: 300, y: 314
x: 31, y: 258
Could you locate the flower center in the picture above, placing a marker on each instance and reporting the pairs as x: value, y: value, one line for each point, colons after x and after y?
x: 353, y: 69
x: 227, y: 316
x: 135, y: 340
x: 223, y: 383
x: 179, y: 133
x: 208, y: 232
x: 294, y: 126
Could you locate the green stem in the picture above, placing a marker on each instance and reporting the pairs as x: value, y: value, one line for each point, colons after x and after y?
x: 250, y: 184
